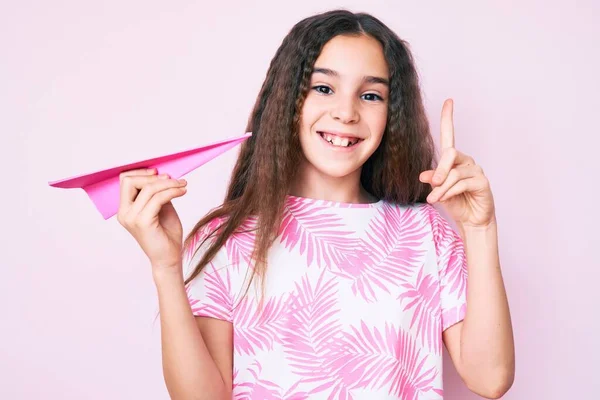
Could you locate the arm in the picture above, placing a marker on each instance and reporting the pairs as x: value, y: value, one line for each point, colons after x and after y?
x: 197, y: 352
x: 481, y: 346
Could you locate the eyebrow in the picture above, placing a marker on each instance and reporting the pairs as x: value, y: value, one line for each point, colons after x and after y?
x: 367, y: 79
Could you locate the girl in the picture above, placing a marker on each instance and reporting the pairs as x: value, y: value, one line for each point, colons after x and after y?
x: 327, y: 273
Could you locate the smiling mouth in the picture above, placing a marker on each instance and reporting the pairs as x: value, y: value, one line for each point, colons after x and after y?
x: 339, y: 141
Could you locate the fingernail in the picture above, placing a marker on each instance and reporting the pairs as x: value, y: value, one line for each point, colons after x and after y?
x: 163, y: 176
x: 182, y: 181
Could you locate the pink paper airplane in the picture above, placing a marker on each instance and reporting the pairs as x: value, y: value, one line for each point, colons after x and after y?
x: 103, y: 186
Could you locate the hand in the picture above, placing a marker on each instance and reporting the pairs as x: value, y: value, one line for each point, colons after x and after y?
x: 146, y: 211
x: 458, y: 183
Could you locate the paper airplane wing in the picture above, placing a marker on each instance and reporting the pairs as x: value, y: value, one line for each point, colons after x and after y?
x: 103, y: 187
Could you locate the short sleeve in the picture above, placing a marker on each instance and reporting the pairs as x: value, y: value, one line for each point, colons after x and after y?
x: 209, y: 293
x: 452, y: 267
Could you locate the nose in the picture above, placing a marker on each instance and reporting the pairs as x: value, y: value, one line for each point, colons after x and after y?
x: 345, y: 110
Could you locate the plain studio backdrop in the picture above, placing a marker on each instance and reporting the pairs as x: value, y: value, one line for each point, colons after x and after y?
x: 86, y: 85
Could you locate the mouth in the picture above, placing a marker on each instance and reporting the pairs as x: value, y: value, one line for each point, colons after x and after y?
x: 340, y: 139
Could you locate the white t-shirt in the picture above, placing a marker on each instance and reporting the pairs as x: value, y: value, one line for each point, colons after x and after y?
x: 355, y: 302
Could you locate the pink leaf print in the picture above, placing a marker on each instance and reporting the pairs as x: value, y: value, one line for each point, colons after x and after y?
x: 424, y: 301
x: 235, y: 378
x: 264, y: 389
x: 254, y: 328
x: 195, y: 304
x: 293, y: 394
x: 240, y: 245
x: 318, y: 234
x: 452, y: 266
x: 369, y: 358
x: 257, y: 389
x: 311, y: 328
x: 219, y: 302
x: 450, y: 251
x: 390, y: 255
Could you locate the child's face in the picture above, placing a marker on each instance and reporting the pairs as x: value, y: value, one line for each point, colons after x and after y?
x: 347, y: 101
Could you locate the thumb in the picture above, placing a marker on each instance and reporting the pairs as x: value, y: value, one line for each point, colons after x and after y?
x: 426, y: 176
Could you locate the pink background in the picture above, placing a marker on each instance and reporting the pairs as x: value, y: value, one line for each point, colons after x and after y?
x: 88, y: 85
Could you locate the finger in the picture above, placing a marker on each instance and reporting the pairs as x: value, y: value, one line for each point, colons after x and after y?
x: 426, y: 176
x: 447, y: 161
x: 464, y: 185
x: 125, y: 193
x: 447, y: 125
x: 131, y: 184
x: 160, y: 199
x: 148, y: 191
x: 478, y: 181
x: 137, y: 172
x: 450, y: 159
x: 454, y: 176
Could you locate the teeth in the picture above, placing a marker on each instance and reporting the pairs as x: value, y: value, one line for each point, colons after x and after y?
x: 337, y: 141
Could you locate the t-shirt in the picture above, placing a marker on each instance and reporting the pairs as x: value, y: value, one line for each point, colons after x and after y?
x: 356, y: 297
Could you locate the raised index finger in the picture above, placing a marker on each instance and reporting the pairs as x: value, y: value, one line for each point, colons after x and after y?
x: 447, y: 125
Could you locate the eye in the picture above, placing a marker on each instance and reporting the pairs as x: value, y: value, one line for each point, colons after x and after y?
x: 322, y: 89
x: 373, y: 97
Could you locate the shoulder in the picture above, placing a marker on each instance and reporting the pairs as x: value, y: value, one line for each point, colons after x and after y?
x: 423, y: 211
x: 422, y: 215
x: 236, y: 248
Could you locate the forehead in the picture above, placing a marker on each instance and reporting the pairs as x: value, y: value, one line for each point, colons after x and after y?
x: 354, y: 56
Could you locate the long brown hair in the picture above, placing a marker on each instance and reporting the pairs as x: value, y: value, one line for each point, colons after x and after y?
x: 268, y: 160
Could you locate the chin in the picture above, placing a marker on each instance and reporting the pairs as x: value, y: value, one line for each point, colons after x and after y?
x: 334, y: 170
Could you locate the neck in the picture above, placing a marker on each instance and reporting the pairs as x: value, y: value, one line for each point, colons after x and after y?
x: 312, y: 183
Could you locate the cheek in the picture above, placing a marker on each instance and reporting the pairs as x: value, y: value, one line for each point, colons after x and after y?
x: 377, y: 120
x: 309, y: 113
